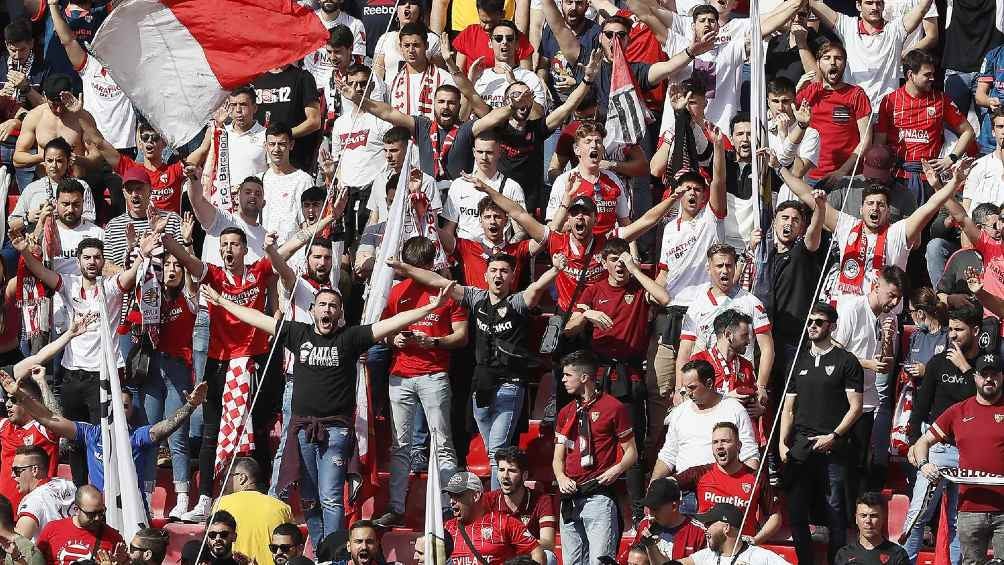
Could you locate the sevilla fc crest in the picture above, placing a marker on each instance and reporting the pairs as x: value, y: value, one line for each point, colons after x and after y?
x: 486, y: 532
x: 29, y: 440
x: 629, y: 298
x: 594, y: 416
x: 852, y: 268
x: 747, y: 488
x: 884, y: 557
x: 998, y: 418
x: 829, y: 369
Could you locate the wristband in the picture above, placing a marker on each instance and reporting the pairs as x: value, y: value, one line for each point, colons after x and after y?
x: 836, y: 434
x: 689, y: 54
x: 803, y: 125
x: 922, y: 462
x: 953, y: 157
x: 187, y: 243
x: 587, y: 82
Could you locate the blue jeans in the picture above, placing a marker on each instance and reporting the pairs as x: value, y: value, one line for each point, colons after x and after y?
x: 593, y: 534
x: 937, y: 253
x: 322, y: 482
x: 164, y: 392
x: 497, y: 423
x: 200, y: 353
x: 942, y: 455
x: 287, y: 403
x: 960, y: 87
x: 882, y: 424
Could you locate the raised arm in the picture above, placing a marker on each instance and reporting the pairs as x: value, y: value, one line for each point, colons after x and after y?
x: 804, y: 193
x: 814, y: 233
x: 776, y: 18
x: 568, y: 44
x: 381, y: 110
x: 396, y: 323
x: 250, y: 316
x: 48, y: 277
x: 426, y: 277
x: 195, y: 267
x: 533, y: 293
x: 916, y: 221
x: 52, y: 421
x: 533, y: 228
x: 915, y: 16
x: 204, y: 210
x: 558, y: 116
x: 654, y: 289
x: 89, y: 133
x: 825, y: 13
x: 280, y: 264
x: 167, y: 426
x: 74, y: 51
x: 80, y: 324
x: 658, y: 72
x: 649, y: 219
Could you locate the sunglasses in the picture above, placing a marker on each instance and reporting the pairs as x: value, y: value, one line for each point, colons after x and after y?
x: 218, y: 534
x: 93, y: 514
x: 280, y: 547
x: 618, y: 34
x: 136, y: 549
x: 818, y: 322
x: 16, y: 471
x: 504, y: 38
x: 149, y: 137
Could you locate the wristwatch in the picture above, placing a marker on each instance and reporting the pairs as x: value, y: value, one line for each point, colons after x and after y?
x: 953, y: 157
x: 435, y: 342
x: 922, y: 462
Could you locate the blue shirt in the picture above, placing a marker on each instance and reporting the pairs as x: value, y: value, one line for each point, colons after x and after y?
x: 550, y: 50
x: 83, y: 23
x: 992, y: 72
x: 90, y: 436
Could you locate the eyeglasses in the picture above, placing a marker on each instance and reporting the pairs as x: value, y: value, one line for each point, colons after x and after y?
x: 280, y: 547
x: 149, y: 137
x: 16, y: 471
x: 818, y: 322
x: 504, y: 38
x: 612, y: 34
x: 93, y: 514
x: 135, y: 549
x: 218, y: 534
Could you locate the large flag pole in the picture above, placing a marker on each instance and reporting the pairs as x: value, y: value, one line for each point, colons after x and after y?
x: 123, y: 498
x: 435, y: 535
x: 762, y: 200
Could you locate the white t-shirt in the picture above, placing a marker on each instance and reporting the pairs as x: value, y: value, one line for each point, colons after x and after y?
x: 721, y: 67
x: 900, y: 8
x: 49, y: 501
x: 357, y: 142
x: 683, y: 256
x: 859, y: 330
x: 985, y: 182
x: 491, y: 86
x: 84, y: 351
x: 390, y: 47
x: 688, y: 434
x: 211, y: 246
x: 246, y: 153
x: 113, y: 112
x: 67, y: 264
x: 281, y: 213
x: 873, y: 61
x: 378, y: 195
x: 462, y: 201
x: 705, y: 307
x: 897, y: 250
x: 405, y: 99
x: 319, y: 64
x: 806, y: 150
x: 752, y: 555
x: 44, y: 189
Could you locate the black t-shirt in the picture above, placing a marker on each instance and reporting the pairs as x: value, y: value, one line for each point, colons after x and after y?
x: 499, y: 337
x: 602, y: 82
x: 954, y: 279
x: 943, y: 385
x: 788, y: 287
x: 821, y: 384
x: 887, y: 553
x: 523, y: 156
x: 282, y: 97
x: 325, y: 367
x: 460, y: 156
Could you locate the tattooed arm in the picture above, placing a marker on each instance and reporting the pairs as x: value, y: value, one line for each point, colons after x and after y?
x: 166, y: 427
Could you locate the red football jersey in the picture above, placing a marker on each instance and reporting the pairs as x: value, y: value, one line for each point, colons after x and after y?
x: 473, y: 43
x: 835, y: 115
x: 495, y: 535
x: 915, y: 127
x: 713, y: 485
x: 609, y: 425
x: 177, y: 327
x: 12, y: 437
x: 608, y: 194
x: 729, y: 376
x: 412, y: 360
x: 232, y: 338
x: 564, y: 243
x: 62, y: 542
x: 166, y: 182
x: 676, y: 543
x: 978, y: 431
x: 536, y: 512
x: 627, y: 307
x: 473, y: 256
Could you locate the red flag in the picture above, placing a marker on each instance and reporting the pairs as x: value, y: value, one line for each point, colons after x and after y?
x: 942, y: 554
x: 626, y: 115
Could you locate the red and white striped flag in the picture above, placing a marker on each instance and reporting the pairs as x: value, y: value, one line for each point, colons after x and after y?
x: 627, y: 117
x: 176, y: 60
x: 236, y: 436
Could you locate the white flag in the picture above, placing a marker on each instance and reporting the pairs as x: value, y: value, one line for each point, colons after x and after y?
x: 435, y: 536
x: 627, y: 116
x: 123, y: 497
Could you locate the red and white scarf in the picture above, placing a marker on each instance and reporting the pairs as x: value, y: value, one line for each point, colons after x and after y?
x: 441, y: 152
x: 420, y: 220
x: 852, y: 263
x: 401, y: 92
x: 236, y: 438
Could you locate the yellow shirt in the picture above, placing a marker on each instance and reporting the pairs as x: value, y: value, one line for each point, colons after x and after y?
x: 257, y: 515
x: 465, y: 13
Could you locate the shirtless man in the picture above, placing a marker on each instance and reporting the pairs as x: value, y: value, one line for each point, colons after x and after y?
x: 46, y: 122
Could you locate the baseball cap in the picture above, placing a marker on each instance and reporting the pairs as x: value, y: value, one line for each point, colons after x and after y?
x: 987, y: 361
x: 135, y: 174
x: 583, y: 202
x: 878, y: 163
x: 56, y: 84
x: 722, y: 512
x: 662, y: 491
x: 462, y: 482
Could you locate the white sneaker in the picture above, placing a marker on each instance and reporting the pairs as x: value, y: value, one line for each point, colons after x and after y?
x: 180, y: 508
x: 200, y: 513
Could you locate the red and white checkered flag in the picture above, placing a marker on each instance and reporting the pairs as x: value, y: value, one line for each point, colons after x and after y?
x: 232, y: 440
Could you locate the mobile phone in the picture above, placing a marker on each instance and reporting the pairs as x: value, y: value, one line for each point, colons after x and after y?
x: 408, y: 333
